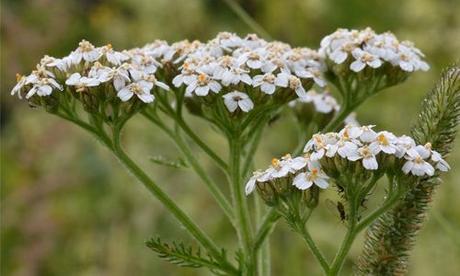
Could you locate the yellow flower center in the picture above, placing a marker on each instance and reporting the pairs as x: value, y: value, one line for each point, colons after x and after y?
x: 135, y: 88
x: 365, y: 152
x: 276, y: 163
x: 383, y: 140
x: 202, y: 79
x: 419, y: 160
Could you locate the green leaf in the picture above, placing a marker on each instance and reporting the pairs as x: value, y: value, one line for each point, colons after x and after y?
x: 184, y: 255
x: 161, y: 160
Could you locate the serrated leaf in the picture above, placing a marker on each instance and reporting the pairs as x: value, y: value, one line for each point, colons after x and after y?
x: 184, y: 255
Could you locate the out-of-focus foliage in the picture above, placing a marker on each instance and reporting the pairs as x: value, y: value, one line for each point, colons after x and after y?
x: 68, y: 208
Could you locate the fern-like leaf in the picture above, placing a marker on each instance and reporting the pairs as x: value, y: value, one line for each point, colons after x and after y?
x: 390, y: 239
x: 185, y: 255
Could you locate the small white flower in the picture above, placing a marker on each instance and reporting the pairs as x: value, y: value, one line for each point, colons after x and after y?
x: 296, y: 85
x: 404, y: 143
x: 253, y: 59
x: 347, y: 143
x: 368, y: 135
x: 316, y: 145
x: 362, y: 59
x: 266, y: 83
x: 416, y: 163
x: 235, y: 76
x: 187, y: 75
x: 385, y: 141
x: 340, y: 54
x: 112, y: 56
x: 201, y: 85
x: 139, y: 88
x: 441, y: 164
x: 367, y: 154
x: 257, y: 176
x: 236, y: 99
x: 85, y: 51
x: 278, y: 169
x: 44, y: 87
x: 81, y: 82
x: 294, y: 164
x: 314, y: 175
x: 21, y: 82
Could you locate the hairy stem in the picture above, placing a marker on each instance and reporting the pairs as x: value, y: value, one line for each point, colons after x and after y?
x: 240, y: 205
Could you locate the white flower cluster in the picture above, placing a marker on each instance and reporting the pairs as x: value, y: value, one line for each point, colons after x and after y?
x: 353, y: 144
x: 229, y: 61
x: 130, y: 72
x: 225, y: 64
x: 366, y: 48
x: 363, y: 143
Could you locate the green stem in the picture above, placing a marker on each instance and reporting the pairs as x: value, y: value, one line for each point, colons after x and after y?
x: 339, y: 259
x: 185, y: 150
x: 240, y: 12
x: 240, y: 204
x: 338, y: 119
x: 355, y: 228
x: 388, y: 204
x: 168, y: 203
x: 314, y: 249
x: 266, y: 227
x: 201, y: 144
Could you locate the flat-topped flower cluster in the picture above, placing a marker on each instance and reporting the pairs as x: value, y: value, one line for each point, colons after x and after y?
x: 366, y: 48
x: 233, y: 66
x: 353, y: 144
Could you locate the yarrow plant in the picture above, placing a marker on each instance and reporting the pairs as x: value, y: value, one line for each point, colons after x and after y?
x: 238, y: 85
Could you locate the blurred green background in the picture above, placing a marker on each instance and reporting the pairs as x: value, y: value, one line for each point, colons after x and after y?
x: 68, y: 208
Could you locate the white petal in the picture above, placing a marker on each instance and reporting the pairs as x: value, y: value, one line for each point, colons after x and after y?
x: 321, y: 182
x: 231, y: 104
x: 370, y: 163
x: 162, y: 85
x: 357, y: 65
x: 44, y: 90
x: 73, y: 79
x: 202, y: 90
x: 125, y: 94
x: 408, y: 167
x: 146, y: 97
x: 250, y: 186
x: 268, y: 88
x: 246, y: 105
x: 301, y: 182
